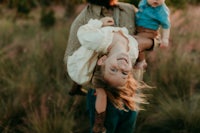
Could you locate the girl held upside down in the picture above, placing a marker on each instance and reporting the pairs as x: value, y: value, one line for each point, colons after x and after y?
x: 112, y: 53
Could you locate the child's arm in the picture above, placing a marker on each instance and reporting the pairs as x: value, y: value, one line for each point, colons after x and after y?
x: 165, y: 24
x: 165, y: 38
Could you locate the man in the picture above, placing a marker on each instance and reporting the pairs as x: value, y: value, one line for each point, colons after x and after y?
x: 123, y: 15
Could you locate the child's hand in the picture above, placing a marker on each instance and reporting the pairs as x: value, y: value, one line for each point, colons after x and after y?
x: 163, y: 45
x: 107, y: 21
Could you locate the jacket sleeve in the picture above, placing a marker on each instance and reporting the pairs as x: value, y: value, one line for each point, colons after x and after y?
x: 95, y: 37
x: 73, y: 43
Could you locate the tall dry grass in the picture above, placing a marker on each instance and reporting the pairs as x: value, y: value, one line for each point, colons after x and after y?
x: 174, y: 104
x: 33, y: 81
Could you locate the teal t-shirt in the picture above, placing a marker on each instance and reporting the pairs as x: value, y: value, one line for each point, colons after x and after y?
x: 152, y: 17
x: 117, y: 121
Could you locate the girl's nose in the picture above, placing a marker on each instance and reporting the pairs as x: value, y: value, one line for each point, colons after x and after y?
x: 123, y: 65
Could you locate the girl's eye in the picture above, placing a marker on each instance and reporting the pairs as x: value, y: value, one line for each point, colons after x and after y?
x: 113, y: 70
x: 125, y: 73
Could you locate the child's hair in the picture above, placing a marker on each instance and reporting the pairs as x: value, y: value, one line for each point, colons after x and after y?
x: 127, y: 97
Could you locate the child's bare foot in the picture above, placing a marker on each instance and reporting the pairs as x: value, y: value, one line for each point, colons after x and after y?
x: 141, y: 65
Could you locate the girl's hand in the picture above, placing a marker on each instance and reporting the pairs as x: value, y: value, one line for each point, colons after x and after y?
x: 107, y: 21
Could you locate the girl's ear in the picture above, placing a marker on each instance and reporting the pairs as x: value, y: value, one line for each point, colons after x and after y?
x: 101, y: 60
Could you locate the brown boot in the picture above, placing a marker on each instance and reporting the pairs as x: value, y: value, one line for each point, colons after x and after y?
x: 77, y: 90
x: 99, y: 123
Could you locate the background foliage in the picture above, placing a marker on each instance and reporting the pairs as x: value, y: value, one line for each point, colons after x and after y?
x: 34, y: 84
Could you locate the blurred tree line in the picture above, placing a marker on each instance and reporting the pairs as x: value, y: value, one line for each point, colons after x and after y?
x: 47, y: 20
x: 174, y: 3
x: 26, y: 5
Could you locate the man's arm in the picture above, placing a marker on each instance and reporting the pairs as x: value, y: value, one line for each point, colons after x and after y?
x: 73, y: 43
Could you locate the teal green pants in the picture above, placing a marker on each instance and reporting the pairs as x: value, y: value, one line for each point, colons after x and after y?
x: 117, y: 121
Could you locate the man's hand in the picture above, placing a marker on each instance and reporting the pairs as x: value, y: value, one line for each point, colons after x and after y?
x: 107, y: 21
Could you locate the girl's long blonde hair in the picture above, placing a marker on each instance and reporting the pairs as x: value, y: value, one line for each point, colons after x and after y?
x: 129, y: 96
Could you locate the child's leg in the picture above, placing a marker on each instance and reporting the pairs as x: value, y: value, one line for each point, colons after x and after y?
x: 100, y: 113
x: 76, y: 90
x: 144, y: 43
x: 141, y: 56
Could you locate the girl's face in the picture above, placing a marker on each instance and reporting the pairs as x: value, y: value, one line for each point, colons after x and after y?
x: 117, y: 64
x: 155, y: 3
x: 116, y: 69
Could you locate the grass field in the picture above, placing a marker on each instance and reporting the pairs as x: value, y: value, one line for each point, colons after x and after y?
x: 34, y: 84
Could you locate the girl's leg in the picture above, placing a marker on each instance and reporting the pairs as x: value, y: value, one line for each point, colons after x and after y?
x: 100, y: 113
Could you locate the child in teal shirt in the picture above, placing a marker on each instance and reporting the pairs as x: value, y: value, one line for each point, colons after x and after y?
x: 151, y: 15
